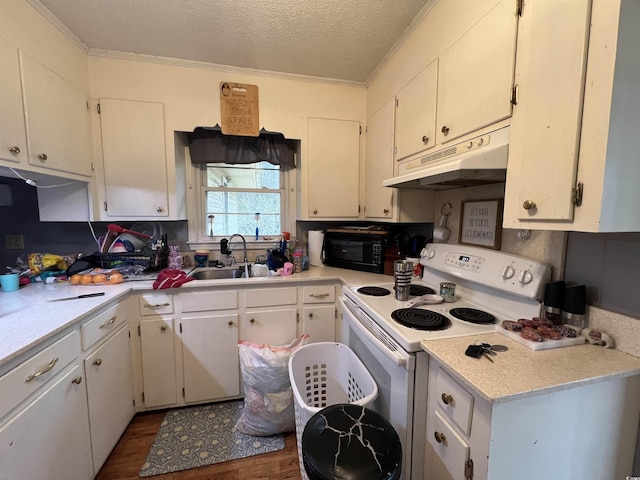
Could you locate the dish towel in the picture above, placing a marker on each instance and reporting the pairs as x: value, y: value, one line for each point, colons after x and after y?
x: 169, y: 278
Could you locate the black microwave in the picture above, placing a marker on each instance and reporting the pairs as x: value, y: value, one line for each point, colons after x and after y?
x: 361, y: 250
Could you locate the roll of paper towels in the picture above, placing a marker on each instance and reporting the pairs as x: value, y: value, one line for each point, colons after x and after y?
x: 316, y: 238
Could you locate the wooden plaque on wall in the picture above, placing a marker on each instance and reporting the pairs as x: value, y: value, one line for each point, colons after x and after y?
x: 239, y: 109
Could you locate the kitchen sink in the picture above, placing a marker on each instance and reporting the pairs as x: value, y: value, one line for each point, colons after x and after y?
x: 213, y: 273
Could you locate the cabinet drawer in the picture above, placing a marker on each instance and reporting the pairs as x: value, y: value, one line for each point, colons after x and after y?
x: 449, y: 446
x: 266, y: 297
x: 155, y: 304
x: 103, y: 324
x: 454, y: 401
x: 206, y: 301
x: 319, y: 294
x: 25, y: 379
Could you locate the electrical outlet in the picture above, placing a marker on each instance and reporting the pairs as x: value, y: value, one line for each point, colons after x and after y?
x: 14, y: 242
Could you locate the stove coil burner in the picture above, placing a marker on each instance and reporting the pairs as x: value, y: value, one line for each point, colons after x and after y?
x: 374, y: 291
x: 419, y: 290
x: 472, y: 315
x: 420, y: 319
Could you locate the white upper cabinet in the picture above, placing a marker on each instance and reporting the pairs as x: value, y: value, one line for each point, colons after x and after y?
x: 134, y: 159
x: 57, y: 120
x: 13, y: 140
x: 416, y: 113
x: 384, y: 203
x: 476, y: 74
x: 333, y: 169
x: 572, y: 157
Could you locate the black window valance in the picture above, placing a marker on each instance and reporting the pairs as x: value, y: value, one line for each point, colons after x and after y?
x: 210, y: 145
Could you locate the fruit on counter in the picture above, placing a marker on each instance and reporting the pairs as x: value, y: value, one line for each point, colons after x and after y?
x: 98, y: 276
x: 538, y: 329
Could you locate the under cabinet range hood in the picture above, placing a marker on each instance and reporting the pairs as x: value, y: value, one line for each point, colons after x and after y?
x: 477, y: 161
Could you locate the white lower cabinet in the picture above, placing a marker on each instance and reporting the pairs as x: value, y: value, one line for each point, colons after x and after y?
x: 319, y: 313
x: 49, y: 438
x: 530, y: 436
x: 210, y: 357
x: 109, y: 373
x: 265, y: 320
x: 158, y: 362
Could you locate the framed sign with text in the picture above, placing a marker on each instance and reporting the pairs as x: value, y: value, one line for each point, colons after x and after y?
x: 481, y: 223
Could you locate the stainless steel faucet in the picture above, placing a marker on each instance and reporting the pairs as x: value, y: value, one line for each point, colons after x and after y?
x: 244, y: 246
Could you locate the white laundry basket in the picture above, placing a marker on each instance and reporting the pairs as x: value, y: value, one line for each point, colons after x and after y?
x: 324, y: 374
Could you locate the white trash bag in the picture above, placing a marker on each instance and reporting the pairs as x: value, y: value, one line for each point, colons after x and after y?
x: 268, y: 396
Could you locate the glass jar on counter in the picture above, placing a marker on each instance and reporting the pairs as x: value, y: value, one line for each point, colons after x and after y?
x: 297, y: 261
x: 448, y: 291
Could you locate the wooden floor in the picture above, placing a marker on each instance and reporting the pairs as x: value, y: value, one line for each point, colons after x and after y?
x: 131, y: 451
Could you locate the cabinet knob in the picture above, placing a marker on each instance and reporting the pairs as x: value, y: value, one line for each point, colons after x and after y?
x: 230, y: 323
x: 77, y: 380
x: 315, y: 212
x: 42, y: 156
x: 386, y: 211
x: 425, y: 139
x: 445, y: 130
x: 440, y: 438
x: 446, y: 398
x: 159, y: 209
x: 15, y: 150
x: 97, y: 362
x: 163, y: 328
x: 253, y: 320
x: 529, y: 204
x: 310, y: 315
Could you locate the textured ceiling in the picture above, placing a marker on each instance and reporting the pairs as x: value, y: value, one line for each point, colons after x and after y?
x: 338, y: 39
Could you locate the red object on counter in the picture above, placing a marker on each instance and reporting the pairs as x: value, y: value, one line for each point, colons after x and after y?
x: 169, y: 278
x: 112, y: 227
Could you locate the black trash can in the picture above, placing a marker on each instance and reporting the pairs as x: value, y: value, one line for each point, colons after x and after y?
x: 348, y: 441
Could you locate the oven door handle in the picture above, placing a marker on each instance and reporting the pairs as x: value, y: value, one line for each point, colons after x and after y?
x: 396, y: 357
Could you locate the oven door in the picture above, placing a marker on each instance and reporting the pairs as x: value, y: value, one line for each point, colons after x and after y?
x: 393, y: 372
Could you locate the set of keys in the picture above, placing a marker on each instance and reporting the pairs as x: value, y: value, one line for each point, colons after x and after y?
x: 479, y: 349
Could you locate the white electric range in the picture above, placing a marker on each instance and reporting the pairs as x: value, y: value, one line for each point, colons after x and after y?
x: 385, y: 333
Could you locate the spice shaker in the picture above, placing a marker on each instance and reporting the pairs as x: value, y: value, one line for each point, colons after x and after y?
x: 574, y: 305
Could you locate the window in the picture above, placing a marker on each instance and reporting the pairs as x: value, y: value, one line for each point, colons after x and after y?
x: 241, y: 198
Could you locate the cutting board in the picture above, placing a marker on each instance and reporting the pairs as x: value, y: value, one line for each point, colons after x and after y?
x: 239, y: 109
x: 546, y: 344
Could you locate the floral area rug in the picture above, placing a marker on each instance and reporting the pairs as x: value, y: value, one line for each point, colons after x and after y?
x: 203, y: 435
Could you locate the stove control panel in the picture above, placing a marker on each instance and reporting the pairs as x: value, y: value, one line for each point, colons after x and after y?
x: 495, y: 269
x: 469, y: 262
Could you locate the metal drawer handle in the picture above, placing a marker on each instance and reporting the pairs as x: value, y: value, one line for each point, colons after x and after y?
x: 77, y: 380
x: 15, y: 150
x: 318, y: 295
x: 440, y: 438
x: 446, y: 398
x: 97, y: 362
x: 157, y: 305
x: 109, y: 322
x: 46, y: 369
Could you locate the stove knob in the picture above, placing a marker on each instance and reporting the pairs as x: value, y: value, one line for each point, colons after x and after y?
x: 508, y: 272
x: 526, y: 277
x: 427, y: 253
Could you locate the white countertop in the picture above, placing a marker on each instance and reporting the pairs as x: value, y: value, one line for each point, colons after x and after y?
x: 28, y: 318
x: 521, y: 372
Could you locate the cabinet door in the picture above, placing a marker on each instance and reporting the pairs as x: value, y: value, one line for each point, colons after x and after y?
x: 333, y: 178
x: 13, y: 140
x: 545, y: 131
x: 416, y: 113
x: 210, y: 357
x: 477, y: 74
x: 158, y: 362
x: 275, y: 327
x: 57, y: 119
x: 319, y: 323
x: 49, y: 439
x: 135, y: 164
x: 378, y: 200
x: 109, y: 372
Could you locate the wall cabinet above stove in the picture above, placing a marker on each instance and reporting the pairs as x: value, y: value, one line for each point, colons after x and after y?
x: 572, y: 158
x: 384, y: 203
